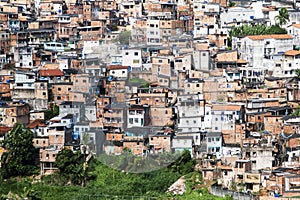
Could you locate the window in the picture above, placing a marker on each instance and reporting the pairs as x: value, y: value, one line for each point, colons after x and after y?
x: 209, y: 139
x: 59, y: 89
x: 217, y: 139
x: 44, y: 93
x: 84, y: 81
x: 259, y: 117
x: 136, y: 53
x: 126, y: 53
x: 136, y: 120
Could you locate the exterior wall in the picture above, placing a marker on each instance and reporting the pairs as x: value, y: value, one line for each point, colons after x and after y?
x: 135, y: 146
x: 183, y: 63
x: 273, y: 124
x: 160, y: 143
x: 132, y: 58
x: 201, y: 60
x: 254, y: 51
x: 161, y: 116
x: 40, y: 142
x: 120, y: 73
x: 236, y: 14
x: 191, y: 116
x: 135, y: 118
x: 14, y: 114
x: 214, y: 144
x: 153, y: 32
x: 61, y: 92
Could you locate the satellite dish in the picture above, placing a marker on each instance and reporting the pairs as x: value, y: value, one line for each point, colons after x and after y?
x: 110, y: 78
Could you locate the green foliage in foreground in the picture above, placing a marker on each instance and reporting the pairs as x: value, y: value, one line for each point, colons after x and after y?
x: 114, y: 183
x: 19, y: 158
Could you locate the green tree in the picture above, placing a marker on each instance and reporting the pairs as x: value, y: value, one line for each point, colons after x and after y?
x: 258, y: 29
x: 73, y: 167
x: 124, y: 38
x: 19, y: 160
x: 231, y: 4
x: 298, y: 73
x: 52, y: 111
x: 283, y: 17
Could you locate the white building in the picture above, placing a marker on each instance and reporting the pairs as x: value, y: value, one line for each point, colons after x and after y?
x: 118, y: 71
x: 153, y: 32
x: 288, y: 64
x: 135, y: 117
x: 205, y: 16
x: 235, y: 15
x: 259, y: 50
x: 190, y: 113
x: 294, y: 30
x: 132, y: 58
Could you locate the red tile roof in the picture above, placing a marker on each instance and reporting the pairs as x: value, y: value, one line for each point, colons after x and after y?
x: 292, y: 53
x: 35, y: 123
x: 114, y: 67
x: 4, y: 130
x: 271, y: 36
x: 51, y: 72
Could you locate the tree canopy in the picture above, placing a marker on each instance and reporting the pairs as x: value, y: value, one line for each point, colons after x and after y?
x: 124, y: 38
x: 72, y: 167
x: 258, y: 29
x: 283, y: 17
x: 19, y: 159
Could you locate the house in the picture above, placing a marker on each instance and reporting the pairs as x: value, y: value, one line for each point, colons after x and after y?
x: 118, y: 71
x: 61, y: 91
x: 11, y: 113
x: 24, y: 86
x: 60, y: 134
x: 114, y: 116
x: 288, y: 65
x: 135, y: 143
x: 254, y: 153
x: 93, y: 140
x: 191, y: 113
x: 160, y: 141
x: 257, y: 50
x: 136, y: 116
x: 181, y: 143
x: 74, y: 108
x: 153, y: 32
x: 205, y: 18
x: 52, y: 75
x: 132, y: 58
x: 41, y: 95
x: 214, y: 142
x: 236, y: 15
x: 226, y: 116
